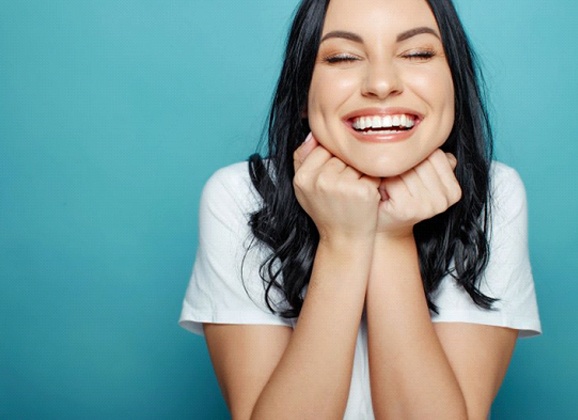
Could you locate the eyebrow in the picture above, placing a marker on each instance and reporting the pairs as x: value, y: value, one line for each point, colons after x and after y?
x: 416, y: 31
x: 343, y: 34
x: 351, y: 36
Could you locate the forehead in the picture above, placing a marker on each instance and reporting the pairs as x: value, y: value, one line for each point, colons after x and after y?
x: 378, y: 15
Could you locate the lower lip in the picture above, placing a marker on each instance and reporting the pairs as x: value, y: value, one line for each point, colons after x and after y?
x: 381, y: 137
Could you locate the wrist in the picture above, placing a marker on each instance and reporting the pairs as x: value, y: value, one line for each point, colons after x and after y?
x: 346, y: 241
x: 394, y: 239
x: 395, y: 261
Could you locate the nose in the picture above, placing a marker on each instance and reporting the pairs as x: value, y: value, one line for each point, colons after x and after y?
x: 382, y: 80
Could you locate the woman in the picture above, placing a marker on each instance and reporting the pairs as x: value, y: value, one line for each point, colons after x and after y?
x: 378, y: 269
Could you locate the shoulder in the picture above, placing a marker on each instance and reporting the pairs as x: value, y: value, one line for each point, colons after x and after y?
x: 230, y: 191
x: 508, y: 195
x: 508, y: 275
x: 230, y: 179
x: 505, y: 181
x: 226, y: 286
x: 499, y: 170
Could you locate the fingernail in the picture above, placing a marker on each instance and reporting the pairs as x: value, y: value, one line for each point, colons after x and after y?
x: 308, y: 138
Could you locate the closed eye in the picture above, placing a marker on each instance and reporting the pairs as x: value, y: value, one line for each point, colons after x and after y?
x: 419, y: 55
x: 340, y: 58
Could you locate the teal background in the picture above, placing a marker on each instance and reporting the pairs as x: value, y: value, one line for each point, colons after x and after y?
x: 112, y: 116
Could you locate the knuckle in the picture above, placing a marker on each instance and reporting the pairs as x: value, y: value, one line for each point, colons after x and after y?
x: 324, y: 182
x: 437, y: 206
x: 437, y: 155
x: 322, y: 179
x: 454, y: 193
x: 370, y: 192
x: 299, y: 180
x: 297, y: 154
x: 457, y: 195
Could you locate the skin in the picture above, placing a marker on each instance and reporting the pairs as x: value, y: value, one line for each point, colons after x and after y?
x: 360, y: 68
x: 365, y: 198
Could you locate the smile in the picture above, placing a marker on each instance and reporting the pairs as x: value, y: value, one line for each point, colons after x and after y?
x: 383, y: 123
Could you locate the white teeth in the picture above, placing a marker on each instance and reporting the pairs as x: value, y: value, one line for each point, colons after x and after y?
x: 384, y: 122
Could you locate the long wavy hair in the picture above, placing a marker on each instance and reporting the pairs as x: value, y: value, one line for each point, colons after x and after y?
x: 454, y: 242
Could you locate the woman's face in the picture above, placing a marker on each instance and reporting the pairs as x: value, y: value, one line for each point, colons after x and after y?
x: 381, y: 97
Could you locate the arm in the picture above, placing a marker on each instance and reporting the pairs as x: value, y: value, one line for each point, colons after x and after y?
x: 425, y: 370
x: 419, y: 370
x: 271, y: 372
x: 410, y: 374
x: 479, y: 356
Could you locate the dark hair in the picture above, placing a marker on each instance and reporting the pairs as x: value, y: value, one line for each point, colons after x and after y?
x: 454, y: 242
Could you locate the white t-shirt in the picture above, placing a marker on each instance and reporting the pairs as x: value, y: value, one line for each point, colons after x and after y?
x: 226, y: 287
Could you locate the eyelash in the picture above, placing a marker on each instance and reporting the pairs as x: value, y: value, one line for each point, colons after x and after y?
x: 340, y: 58
x: 421, y: 55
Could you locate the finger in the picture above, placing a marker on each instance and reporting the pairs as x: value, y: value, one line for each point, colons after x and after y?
x: 383, y: 192
x: 425, y: 184
x: 452, y: 160
x: 304, y: 150
x: 316, y: 157
x: 444, y: 165
x: 335, y: 165
x: 432, y: 188
x: 393, y: 190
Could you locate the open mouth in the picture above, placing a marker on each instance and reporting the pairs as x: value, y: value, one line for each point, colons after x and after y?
x: 383, y: 124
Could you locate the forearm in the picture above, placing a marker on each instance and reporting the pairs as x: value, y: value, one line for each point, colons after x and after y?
x: 410, y: 373
x: 313, y: 376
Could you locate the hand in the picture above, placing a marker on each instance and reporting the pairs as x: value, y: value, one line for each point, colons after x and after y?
x: 424, y: 191
x: 339, y: 199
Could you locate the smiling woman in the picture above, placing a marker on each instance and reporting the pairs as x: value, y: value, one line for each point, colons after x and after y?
x: 375, y: 75
x: 379, y: 268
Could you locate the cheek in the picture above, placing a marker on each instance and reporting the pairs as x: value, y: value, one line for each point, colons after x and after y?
x: 320, y: 109
x: 450, y: 107
x: 320, y: 104
x: 437, y: 89
x: 446, y: 96
x: 315, y: 102
x: 314, y: 111
x: 329, y: 90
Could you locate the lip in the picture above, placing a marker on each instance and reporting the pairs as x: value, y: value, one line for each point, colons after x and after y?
x: 382, y: 138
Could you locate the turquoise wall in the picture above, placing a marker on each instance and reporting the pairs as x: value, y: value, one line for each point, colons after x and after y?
x: 112, y: 116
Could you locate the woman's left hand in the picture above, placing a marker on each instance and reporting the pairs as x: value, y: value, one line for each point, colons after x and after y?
x: 422, y: 192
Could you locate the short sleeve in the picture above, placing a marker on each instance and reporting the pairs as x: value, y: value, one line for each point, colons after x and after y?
x: 225, y: 286
x: 508, y: 276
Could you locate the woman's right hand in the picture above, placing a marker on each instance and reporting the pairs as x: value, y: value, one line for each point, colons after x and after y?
x: 341, y: 201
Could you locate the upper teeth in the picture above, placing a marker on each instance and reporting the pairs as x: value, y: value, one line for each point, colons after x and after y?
x: 386, y: 121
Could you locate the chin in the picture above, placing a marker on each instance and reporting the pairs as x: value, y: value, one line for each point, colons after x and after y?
x: 383, y: 168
